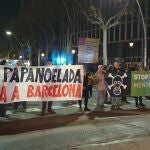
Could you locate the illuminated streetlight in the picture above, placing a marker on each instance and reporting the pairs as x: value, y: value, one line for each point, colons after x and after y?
x: 42, y: 54
x: 145, y: 33
x: 20, y: 57
x: 131, y: 44
x: 73, y: 51
x: 8, y: 33
x: 74, y: 56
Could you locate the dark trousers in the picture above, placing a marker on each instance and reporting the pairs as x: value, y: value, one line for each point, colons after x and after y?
x: 2, y: 110
x: 24, y: 104
x: 138, y: 101
x: 90, y: 90
x: 49, y: 105
x: 85, y: 102
x: 124, y: 98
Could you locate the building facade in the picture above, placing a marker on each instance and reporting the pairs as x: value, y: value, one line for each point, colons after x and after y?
x: 129, y: 28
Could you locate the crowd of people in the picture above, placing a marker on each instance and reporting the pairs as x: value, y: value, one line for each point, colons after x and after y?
x: 116, y: 101
x: 97, y: 79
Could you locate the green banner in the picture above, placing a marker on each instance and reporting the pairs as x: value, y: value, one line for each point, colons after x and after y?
x: 140, y: 83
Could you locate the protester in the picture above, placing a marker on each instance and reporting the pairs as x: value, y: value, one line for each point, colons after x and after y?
x: 116, y: 101
x: 124, y: 97
x: 139, y: 99
x: 23, y: 103
x: 85, y: 93
x: 101, y: 89
x: 3, y: 106
x: 108, y: 98
x: 49, y: 103
x: 90, y: 84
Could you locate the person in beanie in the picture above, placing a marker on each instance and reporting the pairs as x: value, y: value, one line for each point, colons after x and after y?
x: 49, y: 103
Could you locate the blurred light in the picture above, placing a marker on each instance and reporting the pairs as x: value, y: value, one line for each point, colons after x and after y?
x: 131, y: 44
x: 60, y: 61
x: 8, y: 32
x: 42, y: 54
x: 73, y: 51
x: 20, y: 56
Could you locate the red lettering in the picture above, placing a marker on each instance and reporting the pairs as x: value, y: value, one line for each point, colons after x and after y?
x: 78, y: 90
x: 38, y: 92
x: 44, y: 91
x: 55, y: 87
x: 30, y: 92
x: 15, y: 95
x: 3, y: 94
x: 72, y: 90
x: 50, y: 91
x: 65, y: 90
x: 59, y: 91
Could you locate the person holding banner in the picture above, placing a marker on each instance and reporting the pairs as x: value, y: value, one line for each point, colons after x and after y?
x: 49, y: 103
x: 85, y: 94
x: 2, y: 106
x: 116, y: 100
x: 139, y: 99
x: 101, y: 89
x: 23, y: 103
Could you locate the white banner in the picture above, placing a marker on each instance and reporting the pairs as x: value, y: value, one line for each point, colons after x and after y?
x: 44, y: 83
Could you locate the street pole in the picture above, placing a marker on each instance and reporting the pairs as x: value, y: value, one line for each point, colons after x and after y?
x: 145, y: 34
x: 9, y: 33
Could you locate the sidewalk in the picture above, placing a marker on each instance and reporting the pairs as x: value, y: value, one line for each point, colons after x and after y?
x: 66, y: 115
x: 64, y: 108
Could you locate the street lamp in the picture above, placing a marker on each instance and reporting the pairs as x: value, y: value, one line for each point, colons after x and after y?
x: 42, y: 54
x: 8, y: 33
x: 73, y: 51
x: 145, y: 38
x: 20, y: 57
x: 74, y: 57
x: 131, y: 44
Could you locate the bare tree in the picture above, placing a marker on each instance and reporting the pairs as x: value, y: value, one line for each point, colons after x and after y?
x: 104, y: 13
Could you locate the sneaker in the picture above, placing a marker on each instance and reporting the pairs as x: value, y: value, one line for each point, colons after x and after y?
x: 80, y: 109
x: 142, y: 104
x: 24, y: 109
x: 97, y: 108
x: 43, y: 113
x: 51, y: 112
x: 4, y: 116
x: 15, y: 110
x: 108, y: 102
x: 87, y: 109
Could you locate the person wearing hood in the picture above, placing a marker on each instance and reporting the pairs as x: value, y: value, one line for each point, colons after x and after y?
x: 101, y: 88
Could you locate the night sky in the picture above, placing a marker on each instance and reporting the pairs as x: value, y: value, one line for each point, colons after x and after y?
x: 9, y: 8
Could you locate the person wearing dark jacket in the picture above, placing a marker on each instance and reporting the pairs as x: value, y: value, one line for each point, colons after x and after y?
x: 85, y: 93
x: 139, y: 99
x: 23, y: 103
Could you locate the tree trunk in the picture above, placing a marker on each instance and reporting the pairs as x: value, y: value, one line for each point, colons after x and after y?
x: 104, y: 46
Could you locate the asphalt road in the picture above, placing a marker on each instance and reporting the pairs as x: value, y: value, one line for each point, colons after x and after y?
x: 70, y: 129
